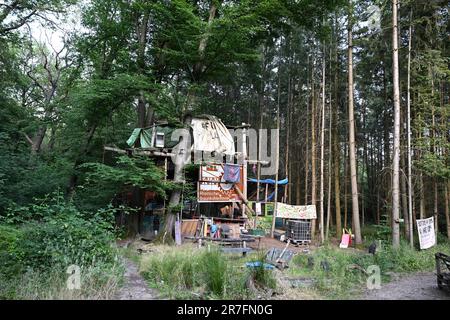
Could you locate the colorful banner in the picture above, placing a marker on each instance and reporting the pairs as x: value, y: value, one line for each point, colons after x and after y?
x: 287, y: 211
x: 427, y: 236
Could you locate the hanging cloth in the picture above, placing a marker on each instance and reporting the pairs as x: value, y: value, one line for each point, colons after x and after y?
x: 231, y: 173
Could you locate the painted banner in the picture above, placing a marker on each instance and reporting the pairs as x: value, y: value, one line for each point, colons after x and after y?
x: 212, y: 186
x: 287, y: 211
x: 427, y: 236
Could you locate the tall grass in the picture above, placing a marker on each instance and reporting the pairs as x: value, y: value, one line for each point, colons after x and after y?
x: 214, y: 268
x: 98, y: 282
x: 190, y: 273
x: 262, y: 276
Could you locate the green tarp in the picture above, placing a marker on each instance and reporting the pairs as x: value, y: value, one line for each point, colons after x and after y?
x: 145, y: 137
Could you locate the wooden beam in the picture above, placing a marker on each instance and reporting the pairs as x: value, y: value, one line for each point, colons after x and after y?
x: 140, y: 152
x: 241, y: 195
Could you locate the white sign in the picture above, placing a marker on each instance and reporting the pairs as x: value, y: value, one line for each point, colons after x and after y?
x: 258, y: 208
x: 427, y: 236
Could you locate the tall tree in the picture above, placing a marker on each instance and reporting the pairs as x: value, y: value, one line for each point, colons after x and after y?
x: 396, y: 154
x: 351, y: 130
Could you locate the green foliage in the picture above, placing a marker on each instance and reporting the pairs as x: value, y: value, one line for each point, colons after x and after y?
x: 53, y: 233
x: 102, y: 182
x: 39, y: 241
x: 215, y: 269
x: 136, y: 171
x: 10, y: 253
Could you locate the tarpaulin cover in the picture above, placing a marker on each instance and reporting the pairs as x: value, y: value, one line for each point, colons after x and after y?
x: 145, y: 137
x: 210, y: 134
x: 270, y: 181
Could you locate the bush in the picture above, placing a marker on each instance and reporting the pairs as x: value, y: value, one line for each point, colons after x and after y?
x: 49, y: 236
x: 10, y: 253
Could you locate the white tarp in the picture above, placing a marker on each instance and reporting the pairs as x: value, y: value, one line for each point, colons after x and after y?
x: 210, y: 134
x: 427, y: 236
x: 287, y: 211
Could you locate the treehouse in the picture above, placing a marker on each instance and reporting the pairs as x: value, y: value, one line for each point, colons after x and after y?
x: 201, y: 155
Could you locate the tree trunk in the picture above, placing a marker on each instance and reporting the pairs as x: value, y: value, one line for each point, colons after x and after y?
x: 74, y: 176
x: 404, y: 199
x: 408, y: 122
x: 182, y: 152
x: 336, y: 167
x: 329, y: 220
x: 396, y: 154
x: 336, y: 148
x: 174, y: 200
x: 307, y: 143
x: 352, y: 151
x: 288, y: 129
x: 199, y: 66
x: 447, y: 200
x: 322, y: 149
x: 313, y: 152
x: 277, y: 152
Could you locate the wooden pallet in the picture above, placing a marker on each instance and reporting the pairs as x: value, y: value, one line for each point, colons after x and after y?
x: 189, y: 227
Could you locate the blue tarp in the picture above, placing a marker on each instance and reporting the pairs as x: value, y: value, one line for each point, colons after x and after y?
x: 258, y: 264
x: 270, y: 181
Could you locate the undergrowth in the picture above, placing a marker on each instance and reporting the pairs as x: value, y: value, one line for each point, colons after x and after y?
x: 342, y: 273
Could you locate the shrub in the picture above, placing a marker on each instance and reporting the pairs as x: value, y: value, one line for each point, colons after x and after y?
x: 10, y: 253
x: 46, y: 237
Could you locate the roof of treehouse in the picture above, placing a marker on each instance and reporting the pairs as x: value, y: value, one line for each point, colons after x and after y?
x: 208, y: 132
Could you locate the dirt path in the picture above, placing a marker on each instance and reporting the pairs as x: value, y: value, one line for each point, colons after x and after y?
x: 135, y: 287
x: 419, y: 286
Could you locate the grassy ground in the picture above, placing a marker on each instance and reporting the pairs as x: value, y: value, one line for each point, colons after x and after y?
x: 97, y: 283
x: 345, y: 277
x: 327, y: 272
x: 187, y: 272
